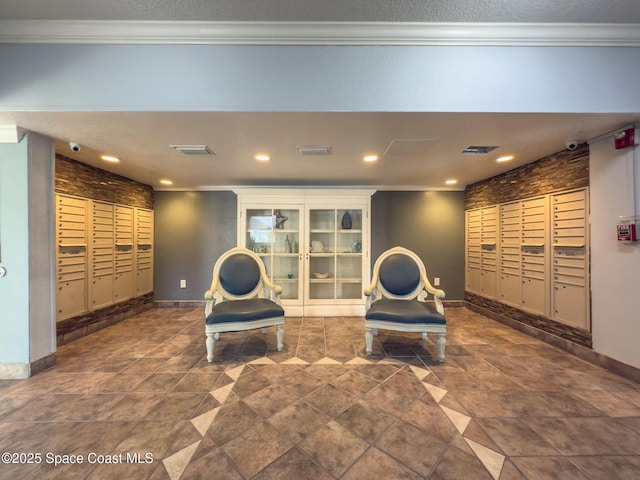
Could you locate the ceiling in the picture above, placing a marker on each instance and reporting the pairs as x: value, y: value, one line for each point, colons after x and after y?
x: 539, y: 11
x: 417, y: 150
x: 423, y: 150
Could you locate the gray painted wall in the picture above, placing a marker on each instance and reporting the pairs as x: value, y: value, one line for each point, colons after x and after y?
x: 193, y: 228
x: 429, y: 223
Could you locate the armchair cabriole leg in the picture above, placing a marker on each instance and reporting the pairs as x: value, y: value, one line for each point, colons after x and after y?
x: 440, y: 342
x: 280, y: 336
x: 369, y: 340
x: 210, y: 346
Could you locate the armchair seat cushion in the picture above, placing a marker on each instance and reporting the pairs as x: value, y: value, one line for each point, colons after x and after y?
x: 244, y: 310
x: 404, y: 311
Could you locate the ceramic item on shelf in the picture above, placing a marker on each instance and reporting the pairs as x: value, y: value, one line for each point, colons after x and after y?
x: 280, y: 219
x: 321, y: 275
x: 288, y: 248
x: 317, y: 246
x: 357, y: 246
x: 347, y: 221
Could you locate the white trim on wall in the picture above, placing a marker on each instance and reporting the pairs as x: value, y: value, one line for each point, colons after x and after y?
x: 319, y: 33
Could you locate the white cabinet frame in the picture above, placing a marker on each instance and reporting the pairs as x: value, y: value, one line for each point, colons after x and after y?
x: 308, y: 202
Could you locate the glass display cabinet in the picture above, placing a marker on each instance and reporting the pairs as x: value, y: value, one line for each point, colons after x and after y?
x: 314, y: 243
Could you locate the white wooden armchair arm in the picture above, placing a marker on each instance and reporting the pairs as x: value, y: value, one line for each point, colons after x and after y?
x: 438, y: 294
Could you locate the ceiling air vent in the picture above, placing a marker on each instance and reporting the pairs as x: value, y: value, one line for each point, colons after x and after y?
x: 478, y: 150
x: 315, y: 150
x: 192, y: 149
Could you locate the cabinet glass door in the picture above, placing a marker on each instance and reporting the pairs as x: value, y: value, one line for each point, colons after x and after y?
x: 274, y: 234
x: 349, y: 254
x: 335, y: 254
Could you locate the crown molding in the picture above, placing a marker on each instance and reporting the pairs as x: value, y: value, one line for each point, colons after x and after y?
x: 319, y: 33
x: 11, y: 134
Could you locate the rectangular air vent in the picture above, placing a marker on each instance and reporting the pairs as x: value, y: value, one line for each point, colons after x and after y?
x: 315, y: 150
x: 192, y: 149
x: 478, y: 150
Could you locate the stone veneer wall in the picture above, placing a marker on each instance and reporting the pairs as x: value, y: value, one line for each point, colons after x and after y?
x: 564, y: 170
x: 561, y: 171
x: 75, y: 178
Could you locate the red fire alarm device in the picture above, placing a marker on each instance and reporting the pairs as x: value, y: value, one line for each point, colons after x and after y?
x: 626, y: 138
x: 627, y: 232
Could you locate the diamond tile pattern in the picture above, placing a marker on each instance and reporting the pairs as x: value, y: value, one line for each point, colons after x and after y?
x: 502, y: 406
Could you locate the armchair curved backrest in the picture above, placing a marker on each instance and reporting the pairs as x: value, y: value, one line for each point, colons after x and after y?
x: 240, y: 274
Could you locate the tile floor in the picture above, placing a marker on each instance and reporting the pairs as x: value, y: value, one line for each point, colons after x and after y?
x: 139, y: 401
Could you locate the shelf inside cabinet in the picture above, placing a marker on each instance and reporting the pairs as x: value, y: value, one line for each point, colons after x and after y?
x: 322, y: 280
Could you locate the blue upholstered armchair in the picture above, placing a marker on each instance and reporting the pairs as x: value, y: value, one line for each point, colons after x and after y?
x: 241, y: 297
x: 396, y: 299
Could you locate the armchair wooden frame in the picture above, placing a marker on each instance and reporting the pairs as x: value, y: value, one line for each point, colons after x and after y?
x: 435, y: 321
x: 258, y: 303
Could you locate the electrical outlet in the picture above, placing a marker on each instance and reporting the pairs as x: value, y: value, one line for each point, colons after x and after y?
x: 183, y: 284
x: 436, y: 282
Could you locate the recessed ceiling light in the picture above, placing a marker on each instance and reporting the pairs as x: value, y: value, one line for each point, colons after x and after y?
x: 262, y: 157
x: 166, y: 182
x: 370, y: 158
x: 109, y: 158
x: 505, y: 158
x: 451, y: 182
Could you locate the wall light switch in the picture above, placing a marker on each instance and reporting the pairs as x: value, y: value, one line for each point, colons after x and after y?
x: 183, y: 284
x: 436, y: 282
